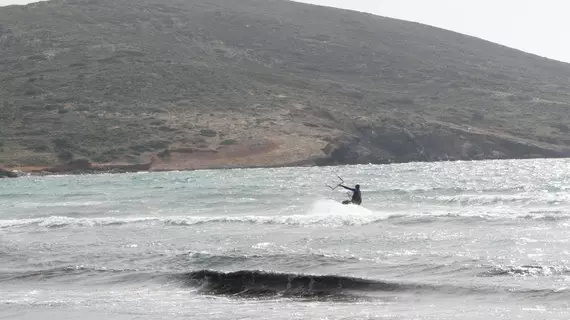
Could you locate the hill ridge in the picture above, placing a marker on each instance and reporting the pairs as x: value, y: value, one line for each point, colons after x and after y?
x: 122, y: 83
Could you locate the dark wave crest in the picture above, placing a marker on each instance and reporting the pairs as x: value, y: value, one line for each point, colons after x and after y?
x: 243, y: 283
x: 260, y: 283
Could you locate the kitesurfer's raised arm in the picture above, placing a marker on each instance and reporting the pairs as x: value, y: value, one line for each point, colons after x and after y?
x: 356, y: 196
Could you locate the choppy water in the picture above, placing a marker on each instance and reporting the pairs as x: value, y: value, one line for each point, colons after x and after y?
x: 463, y: 240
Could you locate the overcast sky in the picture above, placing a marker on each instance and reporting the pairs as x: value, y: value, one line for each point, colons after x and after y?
x: 536, y: 26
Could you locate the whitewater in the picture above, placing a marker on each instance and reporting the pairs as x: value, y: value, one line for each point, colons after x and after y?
x: 446, y: 240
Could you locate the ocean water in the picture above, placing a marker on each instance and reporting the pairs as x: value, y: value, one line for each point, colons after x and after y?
x: 455, y: 240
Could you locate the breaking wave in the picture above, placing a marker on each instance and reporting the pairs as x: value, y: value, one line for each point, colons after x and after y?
x: 61, y: 221
x: 324, y: 220
x: 259, y: 283
x: 268, y: 284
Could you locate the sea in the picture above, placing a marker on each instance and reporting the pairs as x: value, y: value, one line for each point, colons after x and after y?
x: 444, y: 240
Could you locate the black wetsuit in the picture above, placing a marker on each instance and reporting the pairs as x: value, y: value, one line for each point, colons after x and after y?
x: 356, y: 196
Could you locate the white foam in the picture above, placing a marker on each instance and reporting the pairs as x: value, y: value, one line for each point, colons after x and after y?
x: 322, y: 212
x: 325, y: 213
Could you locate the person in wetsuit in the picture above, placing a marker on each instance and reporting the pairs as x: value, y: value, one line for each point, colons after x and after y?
x: 356, y: 196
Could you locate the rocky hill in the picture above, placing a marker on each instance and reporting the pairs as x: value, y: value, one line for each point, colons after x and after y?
x: 172, y: 84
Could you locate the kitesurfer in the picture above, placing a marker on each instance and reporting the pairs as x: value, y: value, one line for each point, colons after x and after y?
x: 356, y: 196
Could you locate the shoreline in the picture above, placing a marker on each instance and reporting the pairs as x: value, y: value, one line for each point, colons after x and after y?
x: 23, y: 171
x: 40, y: 171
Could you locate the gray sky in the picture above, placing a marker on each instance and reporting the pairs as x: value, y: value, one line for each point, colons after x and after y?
x: 536, y: 26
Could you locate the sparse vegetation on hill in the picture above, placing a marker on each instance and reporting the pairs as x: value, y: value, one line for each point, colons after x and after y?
x: 175, y: 84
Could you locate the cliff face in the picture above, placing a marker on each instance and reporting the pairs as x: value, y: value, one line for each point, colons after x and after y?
x: 217, y: 83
